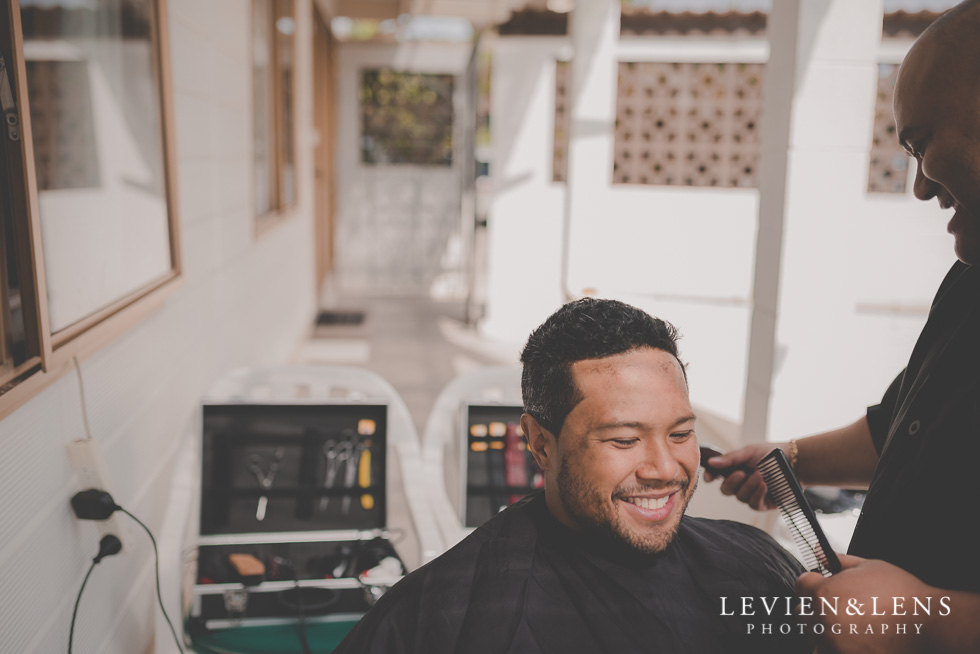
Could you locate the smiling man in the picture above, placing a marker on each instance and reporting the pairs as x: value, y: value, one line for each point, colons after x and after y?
x: 604, y: 559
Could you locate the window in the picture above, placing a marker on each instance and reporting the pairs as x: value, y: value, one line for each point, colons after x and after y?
x: 89, y: 226
x: 273, y: 56
x: 406, y: 118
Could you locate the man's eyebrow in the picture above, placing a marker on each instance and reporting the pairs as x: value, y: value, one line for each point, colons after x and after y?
x: 681, y: 421
x: 640, y: 425
x: 907, y: 135
x: 903, y: 139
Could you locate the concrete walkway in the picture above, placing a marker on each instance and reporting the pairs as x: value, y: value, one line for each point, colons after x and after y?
x: 418, y: 345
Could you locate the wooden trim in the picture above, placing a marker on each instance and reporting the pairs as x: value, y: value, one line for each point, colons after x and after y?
x: 324, y: 108
x: 162, y: 52
x: 280, y: 211
x: 41, y: 325
x: 294, y: 106
x: 260, y: 221
x: 17, y: 396
x: 274, y: 153
x: 85, y: 345
x: 73, y: 330
x: 277, y: 108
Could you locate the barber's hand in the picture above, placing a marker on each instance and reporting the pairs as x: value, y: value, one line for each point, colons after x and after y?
x: 745, y: 482
x: 858, y: 581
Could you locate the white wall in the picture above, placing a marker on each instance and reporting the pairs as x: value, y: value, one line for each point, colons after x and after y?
x: 398, y: 226
x: 244, y: 300
x: 524, y: 221
x: 858, y: 271
x: 683, y: 254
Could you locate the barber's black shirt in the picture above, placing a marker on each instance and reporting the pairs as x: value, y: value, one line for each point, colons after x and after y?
x: 921, y: 512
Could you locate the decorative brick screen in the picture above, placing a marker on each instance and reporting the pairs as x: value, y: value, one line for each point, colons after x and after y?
x: 63, y: 125
x: 406, y: 118
x: 559, y: 165
x: 889, y: 169
x: 688, y: 124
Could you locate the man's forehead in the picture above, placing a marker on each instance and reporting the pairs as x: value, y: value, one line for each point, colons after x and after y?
x: 595, y: 376
x: 627, y: 359
x: 919, y: 90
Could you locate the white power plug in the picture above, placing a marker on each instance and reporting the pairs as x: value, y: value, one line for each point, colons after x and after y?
x: 89, y: 466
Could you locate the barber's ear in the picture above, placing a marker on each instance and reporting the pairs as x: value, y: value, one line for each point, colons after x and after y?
x: 540, y: 441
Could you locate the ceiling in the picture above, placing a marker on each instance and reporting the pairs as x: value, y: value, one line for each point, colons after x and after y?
x: 481, y: 13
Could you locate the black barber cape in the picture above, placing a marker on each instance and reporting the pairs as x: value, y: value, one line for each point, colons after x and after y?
x: 524, y: 583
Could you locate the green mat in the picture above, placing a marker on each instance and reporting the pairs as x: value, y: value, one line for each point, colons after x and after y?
x: 323, y: 638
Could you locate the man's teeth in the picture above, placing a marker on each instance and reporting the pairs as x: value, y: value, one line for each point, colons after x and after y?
x: 649, y: 503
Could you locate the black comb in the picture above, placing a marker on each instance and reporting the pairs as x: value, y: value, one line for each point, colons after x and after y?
x: 785, y: 491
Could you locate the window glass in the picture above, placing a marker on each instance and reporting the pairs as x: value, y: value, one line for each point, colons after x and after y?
x: 263, y: 105
x: 15, y: 346
x: 285, y: 30
x: 406, y: 118
x: 94, y: 97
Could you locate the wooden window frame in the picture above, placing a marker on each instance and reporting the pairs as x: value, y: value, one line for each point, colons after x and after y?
x: 55, y: 352
x: 280, y: 211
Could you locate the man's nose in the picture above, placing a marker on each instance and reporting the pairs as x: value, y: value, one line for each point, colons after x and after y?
x: 659, y: 463
x: 923, y: 188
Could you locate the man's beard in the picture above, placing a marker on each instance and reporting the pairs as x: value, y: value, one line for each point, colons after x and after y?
x: 592, y: 512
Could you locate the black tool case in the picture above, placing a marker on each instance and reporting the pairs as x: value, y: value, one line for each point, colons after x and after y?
x: 498, y: 469
x: 298, y: 492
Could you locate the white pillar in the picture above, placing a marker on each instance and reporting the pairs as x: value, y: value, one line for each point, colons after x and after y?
x: 594, y: 30
x: 816, y: 131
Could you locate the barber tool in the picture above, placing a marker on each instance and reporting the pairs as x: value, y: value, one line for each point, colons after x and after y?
x: 479, y: 433
x: 708, y: 451
x: 336, y: 454
x: 265, y: 478
x: 364, y: 476
x: 350, y: 475
x: 785, y: 491
x: 516, y: 472
x: 497, y: 431
x: 249, y: 570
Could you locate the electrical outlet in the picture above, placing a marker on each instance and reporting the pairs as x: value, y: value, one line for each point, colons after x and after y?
x: 89, y: 466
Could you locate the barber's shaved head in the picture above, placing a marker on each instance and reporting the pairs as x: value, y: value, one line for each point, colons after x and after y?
x: 937, y: 112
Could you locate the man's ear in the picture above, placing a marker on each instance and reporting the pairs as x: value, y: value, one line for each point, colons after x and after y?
x: 540, y: 441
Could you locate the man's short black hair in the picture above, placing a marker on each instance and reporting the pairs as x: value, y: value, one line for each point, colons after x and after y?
x: 585, y: 329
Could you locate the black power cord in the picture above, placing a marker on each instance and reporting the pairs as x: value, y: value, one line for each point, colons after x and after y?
x: 156, y: 566
x: 94, y: 504
x: 108, y: 546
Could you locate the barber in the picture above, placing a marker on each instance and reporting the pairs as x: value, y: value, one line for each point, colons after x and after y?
x: 917, y: 451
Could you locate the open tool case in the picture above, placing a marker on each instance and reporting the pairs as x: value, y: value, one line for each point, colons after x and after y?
x: 499, y: 469
x: 293, y: 514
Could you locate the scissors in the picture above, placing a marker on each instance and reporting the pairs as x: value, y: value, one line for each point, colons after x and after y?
x: 336, y: 454
x: 264, y: 478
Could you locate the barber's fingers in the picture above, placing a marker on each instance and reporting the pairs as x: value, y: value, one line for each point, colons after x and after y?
x: 744, y: 457
x: 733, y: 482
x: 750, y: 488
x: 807, y: 584
x: 849, y: 561
x: 758, y: 499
